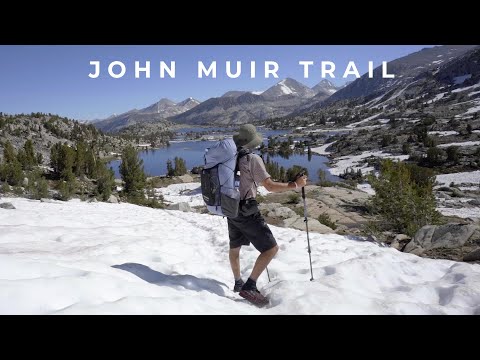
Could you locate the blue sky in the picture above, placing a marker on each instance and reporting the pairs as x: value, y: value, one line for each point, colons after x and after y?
x: 54, y: 79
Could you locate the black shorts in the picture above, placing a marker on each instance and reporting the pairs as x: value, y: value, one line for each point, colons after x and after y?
x: 244, y: 230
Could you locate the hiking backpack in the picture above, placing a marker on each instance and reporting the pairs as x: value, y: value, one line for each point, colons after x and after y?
x: 220, y: 180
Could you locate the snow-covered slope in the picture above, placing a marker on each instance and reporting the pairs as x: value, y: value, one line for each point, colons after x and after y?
x: 76, y: 257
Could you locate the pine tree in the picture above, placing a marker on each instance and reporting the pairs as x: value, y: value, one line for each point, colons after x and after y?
x: 9, y: 155
x: 90, y: 163
x: 452, y: 154
x: 105, y: 181
x: 322, y: 177
x: 11, y: 171
x: 62, y: 160
x: 80, y: 158
x: 39, y: 158
x: 22, y: 159
x: 67, y: 189
x: 404, y: 197
x: 30, y: 158
x: 68, y: 157
x: 41, y: 189
x: 170, y: 170
x: 283, y: 174
x: 180, y: 166
x: 132, y: 171
x: 406, y: 148
x: 435, y: 156
x: 469, y: 129
x: 55, y: 158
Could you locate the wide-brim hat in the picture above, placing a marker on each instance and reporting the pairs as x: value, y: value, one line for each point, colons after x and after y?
x: 248, y: 137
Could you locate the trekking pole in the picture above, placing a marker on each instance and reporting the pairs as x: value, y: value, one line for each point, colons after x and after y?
x: 268, y: 275
x: 306, y: 224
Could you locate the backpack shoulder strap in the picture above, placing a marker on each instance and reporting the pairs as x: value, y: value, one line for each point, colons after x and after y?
x: 241, y: 153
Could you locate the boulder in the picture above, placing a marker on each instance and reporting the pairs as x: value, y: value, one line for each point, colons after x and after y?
x: 268, y: 207
x: 341, y: 229
x: 313, y: 225
x: 457, y: 193
x: 474, y: 202
x: 282, y: 213
x: 472, y: 256
x: 196, y: 170
x: 444, y: 188
x: 475, y: 238
x: 7, y: 205
x: 93, y: 200
x: 402, y: 237
x: 440, y: 236
x: 400, y: 241
x: 112, y: 199
x: 186, y: 178
x: 182, y: 206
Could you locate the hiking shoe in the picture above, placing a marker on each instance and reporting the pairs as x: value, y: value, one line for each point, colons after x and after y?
x: 238, y: 285
x: 254, y: 296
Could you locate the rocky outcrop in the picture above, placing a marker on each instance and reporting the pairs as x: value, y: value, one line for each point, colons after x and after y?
x: 472, y: 256
x: 112, y: 199
x: 440, y: 236
x: 186, y: 178
x: 286, y: 217
x: 400, y: 241
x: 7, y: 205
x: 277, y: 211
x: 182, y: 206
x: 313, y: 225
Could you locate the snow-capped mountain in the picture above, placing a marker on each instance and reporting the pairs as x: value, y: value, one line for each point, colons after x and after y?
x: 406, y: 70
x: 236, y: 107
x: 326, y: 87
x: 415, y: 76
x: 188, y: 103
x: 288, y: 86
x: 232, y: 107
x: 168, y: 108
x: 291, y: 97
x: 159, y: 111
x: 233, y: 93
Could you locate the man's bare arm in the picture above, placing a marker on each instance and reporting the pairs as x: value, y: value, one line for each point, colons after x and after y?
x: 275, y: 186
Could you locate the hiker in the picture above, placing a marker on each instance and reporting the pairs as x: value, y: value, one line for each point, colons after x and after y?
x: 249, y: 226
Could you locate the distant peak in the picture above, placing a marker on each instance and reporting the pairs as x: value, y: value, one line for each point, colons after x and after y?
x: 287, y: 80
x: 187, y: 101
x: 326, y: 82
x: 165, y: 101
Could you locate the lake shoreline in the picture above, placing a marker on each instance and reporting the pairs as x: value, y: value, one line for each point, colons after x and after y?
x: 192, y: 151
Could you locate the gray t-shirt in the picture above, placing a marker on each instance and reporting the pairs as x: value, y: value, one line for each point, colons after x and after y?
x: 252, y: 174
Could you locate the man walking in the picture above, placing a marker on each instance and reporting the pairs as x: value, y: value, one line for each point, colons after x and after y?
x: 249, y: 226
